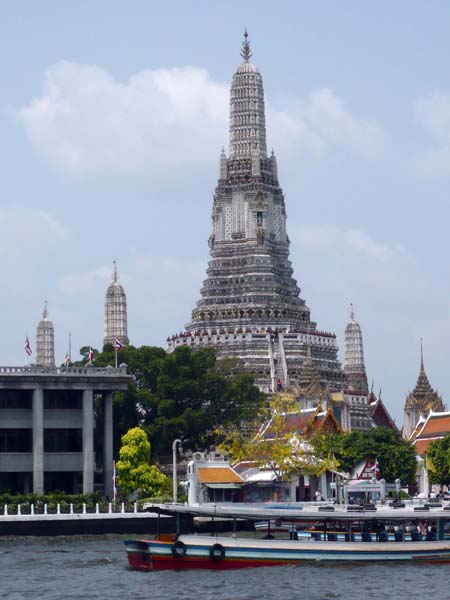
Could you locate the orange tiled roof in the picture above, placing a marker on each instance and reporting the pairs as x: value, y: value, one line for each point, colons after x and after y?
x: 218, y: 475
x: 436, y: 425
x: 422, y: 446
x: 304, y: 423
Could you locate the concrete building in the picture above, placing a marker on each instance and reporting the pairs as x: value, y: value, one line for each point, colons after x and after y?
x: 116, y: 318
x: 48, y: 430
x: 250, y: 305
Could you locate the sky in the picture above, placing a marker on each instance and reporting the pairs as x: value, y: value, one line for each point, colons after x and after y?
x: 112, y: 118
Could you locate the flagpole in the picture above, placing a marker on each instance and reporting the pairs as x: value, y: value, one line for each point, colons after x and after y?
x: 70, y: 348
x: 116, y: 357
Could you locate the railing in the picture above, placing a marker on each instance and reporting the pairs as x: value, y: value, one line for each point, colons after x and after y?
x: 87, y: 371
x: 30, y: 510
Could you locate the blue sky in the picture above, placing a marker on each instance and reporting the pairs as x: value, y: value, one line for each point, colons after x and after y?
x: 112, y: 116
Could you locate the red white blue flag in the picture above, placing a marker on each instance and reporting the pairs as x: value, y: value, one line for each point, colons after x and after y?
x: 376, y: 469
x: 90, y: 355
x: 114, y: 477
x: 118, y: 344
x: 27, y: 346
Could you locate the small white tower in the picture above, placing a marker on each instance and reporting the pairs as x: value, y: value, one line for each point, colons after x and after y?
x: 116, y: 324
x: 354, y: 367
x: 45, y: 341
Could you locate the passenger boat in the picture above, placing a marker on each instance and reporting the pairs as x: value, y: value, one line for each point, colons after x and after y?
x: 335, y: 534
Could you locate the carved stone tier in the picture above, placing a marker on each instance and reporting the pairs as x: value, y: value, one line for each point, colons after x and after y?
x: 250, y: 305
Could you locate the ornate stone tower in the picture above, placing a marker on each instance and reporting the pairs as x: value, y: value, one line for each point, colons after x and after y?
x: 420, y: 401
x: 354, y: 368
x: 45, y: 341
x: 250, y: 305
x: 116, y: 312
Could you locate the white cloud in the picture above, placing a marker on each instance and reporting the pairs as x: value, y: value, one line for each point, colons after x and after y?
x: 330, y: 236
x: 22, y: 230
x: 323, y: 121
x: 87, y: 122
x: 432, y: 112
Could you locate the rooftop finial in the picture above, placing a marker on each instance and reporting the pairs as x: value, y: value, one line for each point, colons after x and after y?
x: 45, y: 311
x: 116, y: 272
x: 421, y: 356
x: 246, y: 53
x: 352, y: 312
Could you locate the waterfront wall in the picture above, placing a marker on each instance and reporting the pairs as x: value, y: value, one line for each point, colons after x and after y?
x: 86, y: 523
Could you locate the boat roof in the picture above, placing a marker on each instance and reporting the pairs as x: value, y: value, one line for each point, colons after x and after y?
x: 297, y: 512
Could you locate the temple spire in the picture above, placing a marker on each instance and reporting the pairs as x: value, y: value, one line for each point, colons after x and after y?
x: 115, y: 272
x: 116, y: 318
x: 247, y: 113
x: 422, y: 368
x: 45, y: 341
x: 354, y: 367
x: 246, y: 53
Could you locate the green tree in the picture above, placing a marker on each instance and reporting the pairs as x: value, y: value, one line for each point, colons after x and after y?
x: 182, y: 394
x: 275, y: 446
x: 438, y: 461
x: 134, y: 473
x: 396, y: 456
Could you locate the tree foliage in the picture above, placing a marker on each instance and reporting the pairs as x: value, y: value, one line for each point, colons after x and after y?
x: 182, y: 394
x: 274, y: 447
x: 438, y: 461
x: 134, y: 471
x: 396, y: 456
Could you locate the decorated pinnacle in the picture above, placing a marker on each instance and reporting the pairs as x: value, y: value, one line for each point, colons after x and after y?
x: 116, y: 272
x: 246, y: 53
x: 45, y: 311
x: 352, y: 312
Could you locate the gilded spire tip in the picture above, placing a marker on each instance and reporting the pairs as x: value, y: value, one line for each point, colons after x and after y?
x: 422, y: 368
x: 45, y: 311
x: 352, y: 312
x: 246, y: 53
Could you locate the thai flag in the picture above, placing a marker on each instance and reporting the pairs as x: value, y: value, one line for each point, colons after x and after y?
x: 114, y: 481
x: 90, y: 355
x: 118, y: 344
x: 27, y: 346
x: 376, y: 469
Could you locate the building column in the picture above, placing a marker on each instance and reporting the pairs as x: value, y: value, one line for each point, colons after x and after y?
x: 38, y: 442
x: 88, y: 441
x: 108, y: 444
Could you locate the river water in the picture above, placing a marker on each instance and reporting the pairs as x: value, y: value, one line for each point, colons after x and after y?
x: 91, y: 567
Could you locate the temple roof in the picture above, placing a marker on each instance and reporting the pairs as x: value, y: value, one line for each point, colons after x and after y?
x: 423, y: 396
x: 434, y: 427
x: 218, y: 475
x: 304, y: 422
x: 309, y: 379
x: 380, y: 414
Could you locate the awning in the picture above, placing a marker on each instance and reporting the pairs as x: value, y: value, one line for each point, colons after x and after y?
x: 214, y: 474
x: 223, y: 486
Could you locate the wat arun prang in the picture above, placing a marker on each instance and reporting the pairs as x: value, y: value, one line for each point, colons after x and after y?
x: 250, y: 304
